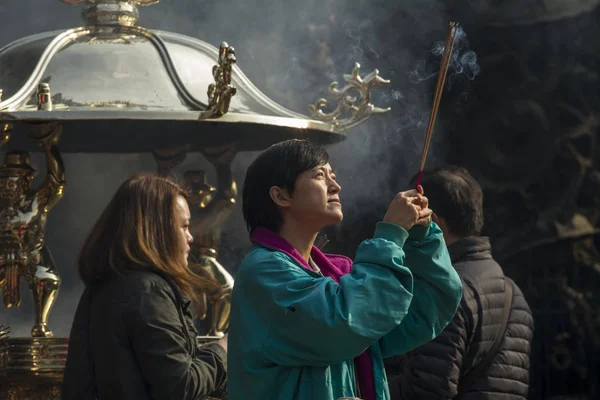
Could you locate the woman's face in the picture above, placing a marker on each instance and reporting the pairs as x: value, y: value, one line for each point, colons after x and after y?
x: 316, y: 199
x: 182, y: 223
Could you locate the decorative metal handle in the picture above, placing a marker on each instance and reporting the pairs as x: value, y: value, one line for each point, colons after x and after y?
x: 221, y: 92
x: 360, y: 107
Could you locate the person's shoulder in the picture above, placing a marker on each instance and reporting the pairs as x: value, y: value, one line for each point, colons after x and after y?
x: 144, y: 277
x: 468, y: 303
x: 519, y: 300
x: 137, y: 282
x: 261, y: 255
x: 260, y: 258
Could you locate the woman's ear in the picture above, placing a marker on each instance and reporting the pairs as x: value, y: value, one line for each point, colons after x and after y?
x: 280, y: 196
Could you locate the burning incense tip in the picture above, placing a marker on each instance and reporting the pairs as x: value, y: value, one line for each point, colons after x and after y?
x: 439, y: 88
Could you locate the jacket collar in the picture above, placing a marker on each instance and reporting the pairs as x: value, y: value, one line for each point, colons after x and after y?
x: 470, y: 248
x: 331, y: 265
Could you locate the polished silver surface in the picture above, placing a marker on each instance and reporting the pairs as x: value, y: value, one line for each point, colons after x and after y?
x: 97, y: 68
x: 121, y: 68
x: 117, y: 74
x: 124, y: 74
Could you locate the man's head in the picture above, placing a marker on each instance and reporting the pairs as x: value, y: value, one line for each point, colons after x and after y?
x: 456, y: 199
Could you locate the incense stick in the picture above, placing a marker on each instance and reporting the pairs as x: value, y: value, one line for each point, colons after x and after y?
x: 439, y: 89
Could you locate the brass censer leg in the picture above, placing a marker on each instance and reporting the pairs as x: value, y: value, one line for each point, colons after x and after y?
x: 210, y: 208
x: 12, y: 289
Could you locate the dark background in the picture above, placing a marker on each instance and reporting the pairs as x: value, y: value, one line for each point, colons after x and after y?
x: 527, y: 126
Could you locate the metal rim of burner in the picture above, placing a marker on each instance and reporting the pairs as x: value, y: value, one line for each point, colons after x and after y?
x: 4, y: 331
x: 34, y: 355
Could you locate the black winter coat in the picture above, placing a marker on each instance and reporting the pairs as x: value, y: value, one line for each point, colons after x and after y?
x: 142, y: 342
x: 432, y: 371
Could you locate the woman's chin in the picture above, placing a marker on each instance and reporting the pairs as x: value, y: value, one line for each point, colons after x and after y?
x: 336, y: 218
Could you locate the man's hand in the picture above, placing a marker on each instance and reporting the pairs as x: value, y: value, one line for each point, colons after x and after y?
x: 425, y: 212
x: 405, y: 209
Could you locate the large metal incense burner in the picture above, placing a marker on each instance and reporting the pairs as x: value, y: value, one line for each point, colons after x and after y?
x: 111, y: 86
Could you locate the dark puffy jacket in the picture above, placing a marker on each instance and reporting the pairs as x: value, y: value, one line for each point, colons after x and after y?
x: 432, y: 371
x: 142, y: 342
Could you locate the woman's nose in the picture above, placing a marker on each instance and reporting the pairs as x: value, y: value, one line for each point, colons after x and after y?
x: 334, y: 187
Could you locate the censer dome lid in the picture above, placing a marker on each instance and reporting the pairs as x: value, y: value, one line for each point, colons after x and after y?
x: 117, y: 87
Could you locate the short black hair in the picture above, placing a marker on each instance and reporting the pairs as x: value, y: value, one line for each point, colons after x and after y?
x: 279, y: 165
x: 455, y: 196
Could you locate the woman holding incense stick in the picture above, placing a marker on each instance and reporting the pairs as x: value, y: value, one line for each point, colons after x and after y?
x: 312, y: 326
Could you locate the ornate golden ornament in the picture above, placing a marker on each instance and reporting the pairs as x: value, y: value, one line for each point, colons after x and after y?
x: 358, y: 107
x: 221, y: 92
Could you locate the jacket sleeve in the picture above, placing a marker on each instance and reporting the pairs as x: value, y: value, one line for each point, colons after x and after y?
x: 436, y: 295
x: 314, y: 321
x: 160, y: 343
x: 432, y: 370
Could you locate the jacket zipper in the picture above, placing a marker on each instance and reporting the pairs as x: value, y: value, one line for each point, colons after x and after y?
x: 356, y: 385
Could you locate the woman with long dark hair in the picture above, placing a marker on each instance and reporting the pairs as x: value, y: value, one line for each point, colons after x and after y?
x: 133, y: 336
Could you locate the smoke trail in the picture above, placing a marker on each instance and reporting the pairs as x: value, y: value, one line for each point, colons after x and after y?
x: 463, y: 62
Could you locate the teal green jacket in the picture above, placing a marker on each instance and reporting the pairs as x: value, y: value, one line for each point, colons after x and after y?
x: 294, y: 334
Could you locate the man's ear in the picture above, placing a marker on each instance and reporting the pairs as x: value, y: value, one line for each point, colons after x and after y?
x: 280, y: 196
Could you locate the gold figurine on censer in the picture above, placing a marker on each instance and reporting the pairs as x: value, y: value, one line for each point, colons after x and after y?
x: 23, y: 215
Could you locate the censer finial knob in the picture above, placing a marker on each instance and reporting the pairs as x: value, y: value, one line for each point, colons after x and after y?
x: 44, y: 99
x: 111, y: 12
